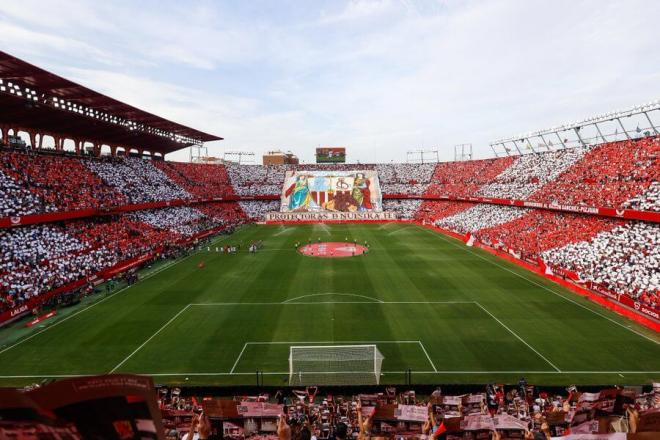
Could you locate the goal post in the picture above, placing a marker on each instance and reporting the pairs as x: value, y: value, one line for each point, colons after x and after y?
x: 335, y: 365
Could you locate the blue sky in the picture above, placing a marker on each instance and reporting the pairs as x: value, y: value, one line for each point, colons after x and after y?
x: 379, y: 77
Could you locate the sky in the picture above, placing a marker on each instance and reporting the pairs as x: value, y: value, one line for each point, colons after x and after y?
x: 379, y: 77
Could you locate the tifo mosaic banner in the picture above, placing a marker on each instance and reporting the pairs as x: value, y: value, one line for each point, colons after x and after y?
x: 329, y: 216
x: 331, y: 191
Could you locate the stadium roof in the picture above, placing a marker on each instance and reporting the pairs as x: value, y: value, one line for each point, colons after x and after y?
x: 31, y: 97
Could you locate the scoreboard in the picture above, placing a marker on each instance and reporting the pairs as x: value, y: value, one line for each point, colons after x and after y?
x: 331, y: 155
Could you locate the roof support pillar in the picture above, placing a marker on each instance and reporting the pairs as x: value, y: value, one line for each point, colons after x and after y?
x: 623, y: 128
x: 600, y: 133
x: 33, y: 139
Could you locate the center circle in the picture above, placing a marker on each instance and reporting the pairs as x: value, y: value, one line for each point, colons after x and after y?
x: 332, y: 249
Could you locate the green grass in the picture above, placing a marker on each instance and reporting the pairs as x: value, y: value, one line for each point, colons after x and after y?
x: 449, y: 313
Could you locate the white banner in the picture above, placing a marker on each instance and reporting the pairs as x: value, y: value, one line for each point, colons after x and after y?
x: 412, y: 413
x: 334, y: 191
x: 329, y: 216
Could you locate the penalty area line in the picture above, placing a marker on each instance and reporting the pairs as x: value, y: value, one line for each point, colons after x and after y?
x: 238, y: 358
x: 427, y: 356
x: 149, y: 339
x: 518, y: 337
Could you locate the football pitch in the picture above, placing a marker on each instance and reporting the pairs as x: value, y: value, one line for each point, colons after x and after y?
x: 435, y: 308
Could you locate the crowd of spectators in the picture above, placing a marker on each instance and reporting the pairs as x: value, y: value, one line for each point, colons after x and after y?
x: 405, y: 209
x: 540, y: 230
x: 51, y: 183
x: 481, y: 216
x: 256, y: 210
x: 432, y: 210
x: 649, y: 200
x: 616, y: 174
x: 619, y: 174
x: 620, y: 256
x: 530, y: 172
x: 229, y: 213
x: 405, y: 178
x: 257, y: 180
x: 498, y: 412
x: 199, y: 179
x: 182, y: 220
x: 123, y: 236
x: 16, y: 200
x: 39, y: 258
x: 624, y: 260
x: 464, y: 179
x: 610, y: 175
x: 137, y: 179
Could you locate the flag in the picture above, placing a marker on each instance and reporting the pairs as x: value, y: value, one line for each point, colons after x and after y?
x: 440, y: 430
x: 469, y: 239
x: 544, y: 267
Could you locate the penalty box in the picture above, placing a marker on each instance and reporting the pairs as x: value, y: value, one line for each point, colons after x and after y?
x: 242, y: 338
x: 399, y: 355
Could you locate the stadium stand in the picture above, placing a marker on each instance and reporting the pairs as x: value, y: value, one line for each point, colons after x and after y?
x: 257, y: 209
x: 34, y: 182
x: 254, y: 180
x: 625, y: 260
x: 39, y: 258
x: 609, y: 174
x: 540, y: 230
x: 201, y: 180
x: 466, y: 178
x: 16, y: 200
x: 481, y: 216
x: 180, y: 219
x: 430, y: 211
x: 405, y: 178
x: 138, y: 180
x: 52, y: 182
x: 230, y: 214
x: 405, y: 209
x: 529, y: 173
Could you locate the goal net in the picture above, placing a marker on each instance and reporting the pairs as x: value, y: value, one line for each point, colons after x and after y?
x: 335, y: 365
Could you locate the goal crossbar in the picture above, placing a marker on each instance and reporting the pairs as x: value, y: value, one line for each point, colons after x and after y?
x: 335, y: 364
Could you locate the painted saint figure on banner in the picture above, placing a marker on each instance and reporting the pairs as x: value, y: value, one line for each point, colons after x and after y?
x: 298, y: 193
x: 361, y: 192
